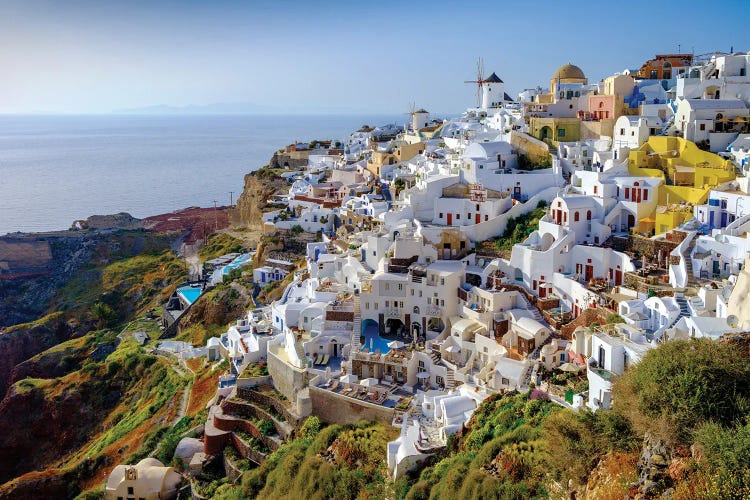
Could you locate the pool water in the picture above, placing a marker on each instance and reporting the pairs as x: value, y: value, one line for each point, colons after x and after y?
x: 372, y: 335
x: 189, y: 293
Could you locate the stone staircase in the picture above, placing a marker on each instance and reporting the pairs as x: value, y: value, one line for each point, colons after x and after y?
x: 684, y: 308
x: 450, y: 380
x: 691, y: 279
x: 435, y: 356
x: 534, y: 311
x: 357, y: 325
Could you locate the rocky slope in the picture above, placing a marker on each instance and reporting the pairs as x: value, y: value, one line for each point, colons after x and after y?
x: 260, y: 186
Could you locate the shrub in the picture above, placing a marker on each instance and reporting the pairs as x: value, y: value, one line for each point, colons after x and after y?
x: 682, y: 384
x: 297, y: 229
x: 311, y: 427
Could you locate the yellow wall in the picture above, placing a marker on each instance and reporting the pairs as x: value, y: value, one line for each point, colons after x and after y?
x: 656, y: 159
x: 572, y: 127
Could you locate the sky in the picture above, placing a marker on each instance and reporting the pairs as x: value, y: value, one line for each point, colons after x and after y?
x: 339, y: 57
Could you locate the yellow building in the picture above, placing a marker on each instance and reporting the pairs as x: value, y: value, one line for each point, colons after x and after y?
x: 403, y: 151
x: 553, y: 129
x: 689, y: 173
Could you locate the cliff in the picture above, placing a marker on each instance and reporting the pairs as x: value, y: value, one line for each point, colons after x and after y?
x: 25, y: 341
x: 260, y: 186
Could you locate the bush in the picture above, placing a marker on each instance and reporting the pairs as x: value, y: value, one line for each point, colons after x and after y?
x: 297, y: 229
x: 311, y: 427
x: 680, y: 385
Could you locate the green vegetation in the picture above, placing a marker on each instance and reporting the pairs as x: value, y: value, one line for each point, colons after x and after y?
x: 524, y: 163
x: 220, y: 244
x: 255, y: 369
x: 518, y: 229
x: 342, y: 462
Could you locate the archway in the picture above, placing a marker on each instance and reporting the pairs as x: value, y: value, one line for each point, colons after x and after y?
x: 518, y: 274
x: 369, y: 325
x: 394, y: 327
x: 416, y: 330
x: 545, y: 133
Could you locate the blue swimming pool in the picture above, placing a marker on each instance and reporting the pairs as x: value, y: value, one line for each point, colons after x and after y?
x: 189, y: 293
x: 235, y: 263
x: 372, y: 335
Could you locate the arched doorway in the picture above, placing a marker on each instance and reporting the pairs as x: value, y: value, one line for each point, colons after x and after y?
x: 416, y: 330
x: 545, y: 133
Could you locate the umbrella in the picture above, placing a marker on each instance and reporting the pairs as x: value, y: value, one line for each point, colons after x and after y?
x: 423, y: 375
x: 569, y: 367
x: 349, y: 378
x: 369, y: 382
x: 396, y: 344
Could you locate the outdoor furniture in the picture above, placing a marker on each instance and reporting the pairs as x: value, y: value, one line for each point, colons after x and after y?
x: 347, y: 390
x: 315, y: 359
x: 324, y: 360
x: 335, y: 385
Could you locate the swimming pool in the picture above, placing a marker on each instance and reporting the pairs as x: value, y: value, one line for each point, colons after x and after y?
x: 378, y: 342
x: 189, y: 293
x: 242, y: 259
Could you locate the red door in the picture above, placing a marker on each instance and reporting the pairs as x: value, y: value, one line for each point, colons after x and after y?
x: 450, y: 219
x: 543, y: 292
x: 618, y: 277
x: 589, y: 272
x: 477, y: 219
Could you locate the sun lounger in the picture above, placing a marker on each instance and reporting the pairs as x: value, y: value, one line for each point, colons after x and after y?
x: 315, y: 359
x: 325, y: 359
x: 347, y: 390
x: 335, y: 385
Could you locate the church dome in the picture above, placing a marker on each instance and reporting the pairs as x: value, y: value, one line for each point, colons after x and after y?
x: 569, y: 72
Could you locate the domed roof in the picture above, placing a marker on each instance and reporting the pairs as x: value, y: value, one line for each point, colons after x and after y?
x: 569, y: 71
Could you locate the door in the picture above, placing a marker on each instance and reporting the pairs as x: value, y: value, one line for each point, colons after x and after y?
x: 589, y: 272
x: 543, y: 292
x: 335, y: 350
x: 716, y: 268
x: 477, y: 219
x: 450, y: 219
x: 618, y: 277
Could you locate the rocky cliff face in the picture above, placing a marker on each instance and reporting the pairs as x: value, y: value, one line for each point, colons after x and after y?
x: 260, y: 186
x: 25, y: 341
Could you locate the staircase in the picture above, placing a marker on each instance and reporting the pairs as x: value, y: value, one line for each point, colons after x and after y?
x: 357, y: 326
x: 435, y: 356
x: 684, y: 308
x: 691, y: 279
x: 534, y: 311
x: 450, y: 380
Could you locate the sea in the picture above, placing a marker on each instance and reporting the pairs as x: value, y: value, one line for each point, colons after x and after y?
x: 55, y: 170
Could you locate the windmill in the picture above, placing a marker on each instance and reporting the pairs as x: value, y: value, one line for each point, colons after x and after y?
x: 479, y: 81
x: 412, y: 107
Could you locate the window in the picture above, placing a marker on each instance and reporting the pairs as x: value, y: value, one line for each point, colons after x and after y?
x: 416, y: 309
x: 575, y: 216
x: 645, y: 194
x: 595, y: 189
x: 387, y: 303
x: 442, y: 302
x: 376, y: 306
x: 387, y: 286
x: 412, y: 292
x: 632, y: 133
x: 400, y: 286
x: 622, y: 131
x: 486, y: 217
x: 442, y: 281
x: 588, y: 215
x: 441, y: 215
x: 601, y: 104
x: 703, y: 126
x: 477, y: 207
x: 627, y: 193
x: 367, y: 306
x: 561, y: 132
x: 468, y: 216
x: 439, y: 380
x: 130, y: 490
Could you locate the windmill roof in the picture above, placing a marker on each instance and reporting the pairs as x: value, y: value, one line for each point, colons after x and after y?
x: 493, y: 78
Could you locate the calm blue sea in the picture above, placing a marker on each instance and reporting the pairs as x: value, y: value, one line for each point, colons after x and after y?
x: 57, y: 169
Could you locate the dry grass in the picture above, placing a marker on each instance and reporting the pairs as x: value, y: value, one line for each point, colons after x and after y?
x: 203, y: 390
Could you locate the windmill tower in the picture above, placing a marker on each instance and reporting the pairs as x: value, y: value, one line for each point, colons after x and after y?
x: 420, y: 118
x: 490, y: 90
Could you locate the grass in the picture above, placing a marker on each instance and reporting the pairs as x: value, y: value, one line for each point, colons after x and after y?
x: 220, y: 244
x: 518, y: 229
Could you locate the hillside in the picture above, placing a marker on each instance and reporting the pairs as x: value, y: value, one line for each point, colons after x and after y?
x: 525, y: 446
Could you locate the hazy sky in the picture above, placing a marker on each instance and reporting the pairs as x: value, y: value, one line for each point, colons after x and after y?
x: 77, y: 56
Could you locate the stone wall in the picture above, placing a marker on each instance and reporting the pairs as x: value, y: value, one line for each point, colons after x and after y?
x: 534, y: 149
x: 286, y: 379
x: 267, y: 401
x: 586, y: 318
x: 335, y: 408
